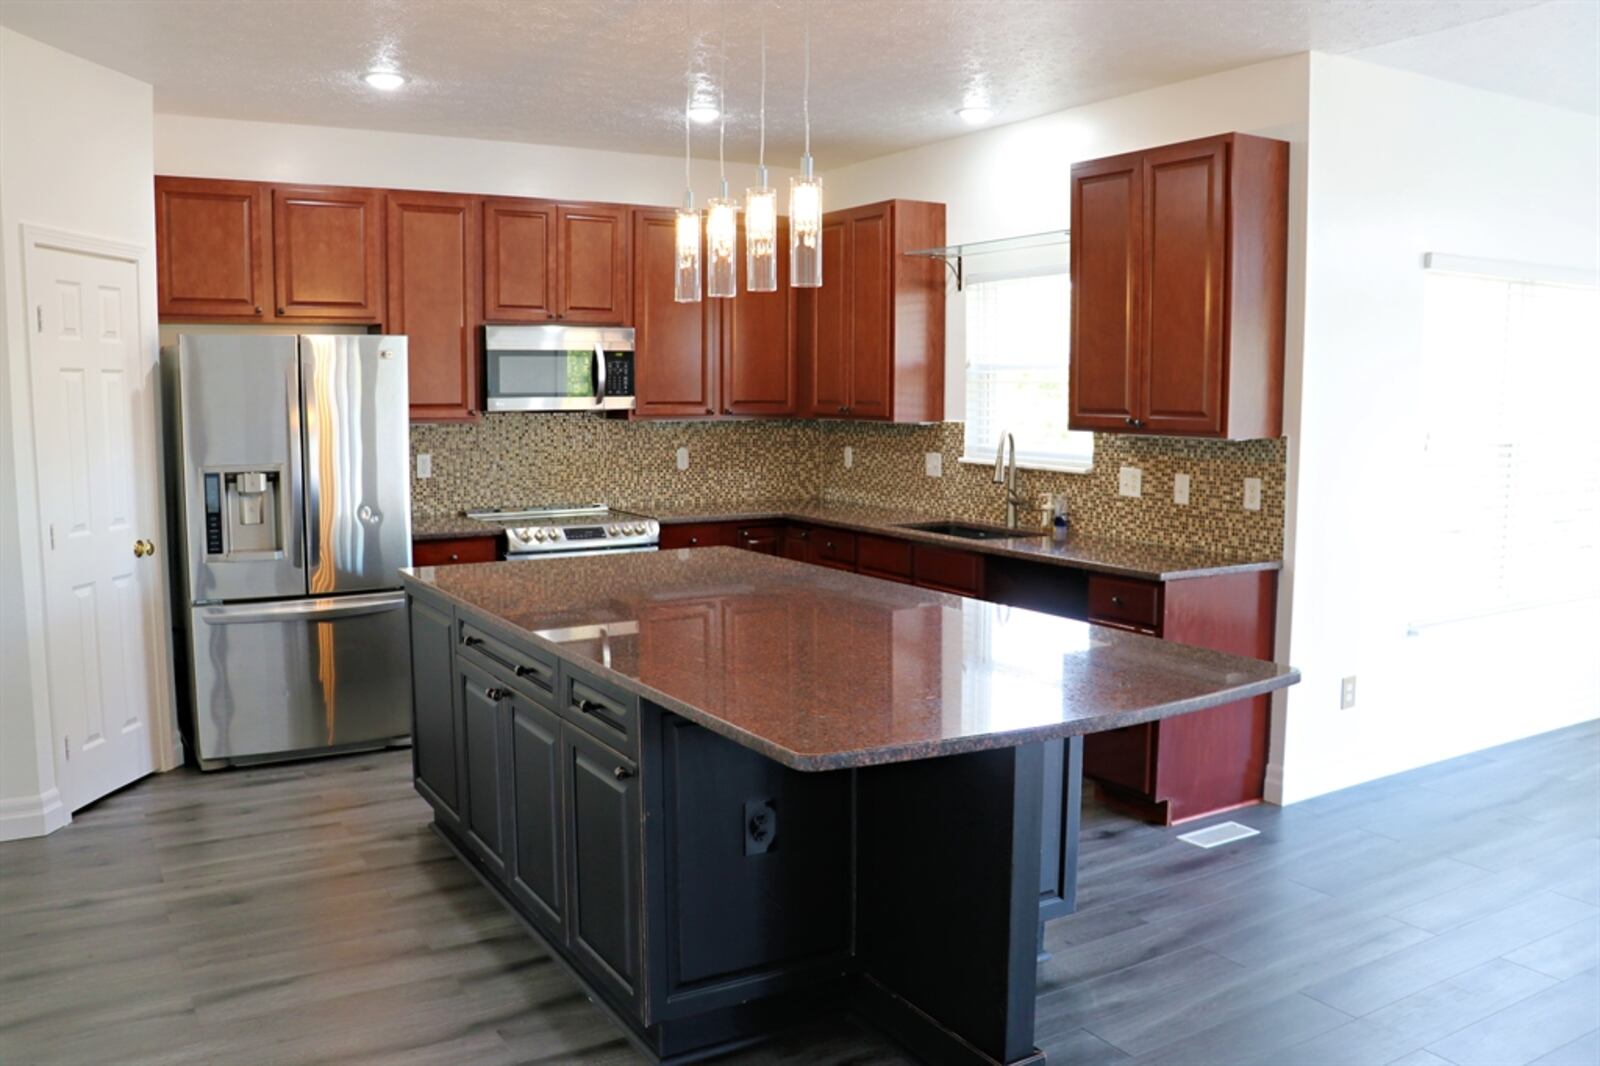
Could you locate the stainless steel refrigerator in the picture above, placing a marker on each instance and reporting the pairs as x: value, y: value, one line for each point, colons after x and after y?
x: 288, y: 470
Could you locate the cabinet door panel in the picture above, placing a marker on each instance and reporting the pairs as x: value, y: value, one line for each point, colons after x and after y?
x: 435, y: 746
x: 1185, y: 234
x: 675, y: 372
x: 593, y: 246
x: 1107, y: 277
x: 433, y: 267
x: 759, y: 374
x: 797, y: 543
x: 602, y: 796
x: 327, y: 252
x: 481, y: 728
x: 871, y: 263
x: 519, y: 260
x: 211, y: 247
x: 828, y: 391
x: 538, y: 871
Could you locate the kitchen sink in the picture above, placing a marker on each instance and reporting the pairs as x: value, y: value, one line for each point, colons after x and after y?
x: 971, y: 531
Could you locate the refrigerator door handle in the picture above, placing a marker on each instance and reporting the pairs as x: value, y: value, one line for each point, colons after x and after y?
x: 296, y: 493
x: 313, y: 464
x: 316, y: 610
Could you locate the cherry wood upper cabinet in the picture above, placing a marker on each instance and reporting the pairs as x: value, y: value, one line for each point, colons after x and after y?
x: 592, y: 245
x: 212, y: 249
x: 875, y: 335
x: 434, y: 270
x: 1178, y: 275
x: 675, y: 371
x: 327, y: 252
x: 760, y: 375
x: 519, y: 260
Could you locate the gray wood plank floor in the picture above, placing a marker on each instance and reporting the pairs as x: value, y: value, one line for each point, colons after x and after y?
x: 306, y: 913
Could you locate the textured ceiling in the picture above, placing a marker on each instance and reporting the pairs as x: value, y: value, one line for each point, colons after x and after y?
x: 887, y: 74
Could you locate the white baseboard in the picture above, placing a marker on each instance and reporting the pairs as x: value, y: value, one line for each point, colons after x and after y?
x: 32, y: 816
x: 1272, y: 790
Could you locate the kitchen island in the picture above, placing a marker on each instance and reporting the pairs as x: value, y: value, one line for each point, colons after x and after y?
x: 730, y: 790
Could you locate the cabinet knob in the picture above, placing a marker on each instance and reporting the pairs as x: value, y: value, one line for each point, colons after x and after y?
x: 280, y: 310
x: 828, y: 544
x: 495, y: 694
x: 454, y: 558
x: 258, y: 309
x: 622, y: 773
x: 1116, y: 601
x: 694, y: 540
x: 843, y: 408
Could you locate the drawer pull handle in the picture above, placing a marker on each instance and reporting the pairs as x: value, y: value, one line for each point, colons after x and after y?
x: 588, y: 707
x: 622, y: 773
x: 496, y: 694
x: 537, y: 673
x: 472, y: 642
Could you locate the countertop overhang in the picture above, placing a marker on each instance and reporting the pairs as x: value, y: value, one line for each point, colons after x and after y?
x: 820, y: 669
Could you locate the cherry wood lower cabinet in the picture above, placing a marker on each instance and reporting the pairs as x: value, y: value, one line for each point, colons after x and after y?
x: 455, y: 550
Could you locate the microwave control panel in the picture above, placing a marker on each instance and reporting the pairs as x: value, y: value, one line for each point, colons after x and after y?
x: 619, y: 374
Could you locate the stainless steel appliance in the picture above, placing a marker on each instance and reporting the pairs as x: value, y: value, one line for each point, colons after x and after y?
x: 559, y: 368
x: 287, y: 467
x: 581, y: 529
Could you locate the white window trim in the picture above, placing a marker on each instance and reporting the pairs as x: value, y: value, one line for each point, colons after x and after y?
x: 1034, y: 464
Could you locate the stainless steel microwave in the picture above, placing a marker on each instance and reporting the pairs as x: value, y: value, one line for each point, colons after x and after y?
x: 559, y: 368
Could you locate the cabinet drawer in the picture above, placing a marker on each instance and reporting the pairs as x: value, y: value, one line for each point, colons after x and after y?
x: 834, y: 547
x: 529, y: 673
x: 763, y: 539
x: 1134, y: 603
x: 884, y: 557
x: 600, y: 709
x: 455, y: 550
x: 694, y: 535
x: 948, y: 570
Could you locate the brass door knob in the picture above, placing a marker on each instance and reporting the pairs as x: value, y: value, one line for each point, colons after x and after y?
x: 141, y: 548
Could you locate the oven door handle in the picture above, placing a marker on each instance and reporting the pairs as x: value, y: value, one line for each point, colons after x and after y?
x: 599, y: 375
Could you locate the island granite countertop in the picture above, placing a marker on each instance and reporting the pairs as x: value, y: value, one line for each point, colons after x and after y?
x: 1150, y: 562
x: 820, y: 669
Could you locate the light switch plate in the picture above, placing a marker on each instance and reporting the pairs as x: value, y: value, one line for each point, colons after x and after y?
x: 933, y: 462
x: 683, y: 458
x: 1180, y: 489
x: 849, y: 457
x: 1347, y: 693
x: 1130, y: 482
x: 1252, y: 494
x: 424, y: 465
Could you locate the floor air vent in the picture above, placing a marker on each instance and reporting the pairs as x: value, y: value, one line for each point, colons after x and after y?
x: 1221, y: 833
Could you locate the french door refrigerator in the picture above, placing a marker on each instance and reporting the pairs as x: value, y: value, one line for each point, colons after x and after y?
x: 288, y: 465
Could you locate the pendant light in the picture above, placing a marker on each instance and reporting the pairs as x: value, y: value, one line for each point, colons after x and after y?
x: 805, y: 201
x: 761, y: 209
x: 686, y: 262
x: 722, y: 212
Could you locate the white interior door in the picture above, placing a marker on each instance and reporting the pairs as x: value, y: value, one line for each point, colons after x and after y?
x: 92, y: 415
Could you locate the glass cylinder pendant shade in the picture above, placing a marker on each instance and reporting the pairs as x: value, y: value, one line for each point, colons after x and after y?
x: 686, y: 282
x: 805, y: 232
x: 722, y: 247
x: 761, y: 239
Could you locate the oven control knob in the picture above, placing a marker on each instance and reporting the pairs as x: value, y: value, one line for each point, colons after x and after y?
x: 636, y: 530
x: 611, y: 531
x: 541, y: 535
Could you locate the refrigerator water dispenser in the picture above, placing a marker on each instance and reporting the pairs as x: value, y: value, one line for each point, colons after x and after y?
x: 243, y: 514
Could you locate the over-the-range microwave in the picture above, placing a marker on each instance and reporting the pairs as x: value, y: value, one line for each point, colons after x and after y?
x: 559, y: 368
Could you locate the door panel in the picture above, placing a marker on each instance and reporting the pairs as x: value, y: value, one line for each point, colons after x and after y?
x: 538, y: 871
x: 358, y: 487
x: 436, y: 744
x: 593, y: 245
x: 675, y: 371
x: 602, y: 794
x: 1107, y: 280
x: 212, y: 247
x: 1185, y: 233
x: 482, y: 708
x: 433, y: 268
x: 327, y: 252
x: 829, y: 373
x: 519, y: 260
x: 759, y: 373
x: 95, y: 452
x: 288, y: 675
x: 871, y: 340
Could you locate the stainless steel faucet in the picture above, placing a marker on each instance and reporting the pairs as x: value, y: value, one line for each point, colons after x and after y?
x: 1005, y: 473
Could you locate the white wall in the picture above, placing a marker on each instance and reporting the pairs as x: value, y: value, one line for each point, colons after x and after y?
x: 1400, y: 165
x: 270, y: 151
x: 1015, y: 179
x: 75, y: 154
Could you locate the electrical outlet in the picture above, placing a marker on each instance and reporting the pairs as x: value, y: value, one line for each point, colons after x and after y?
x: 849, y: 457
x: 1347, y: 693
x: 933, y: 462
x: 1252, y: 494
x: 424, y: 465
x: 1180, y: 489
x: 683, y: 458
x: 1130, y: 482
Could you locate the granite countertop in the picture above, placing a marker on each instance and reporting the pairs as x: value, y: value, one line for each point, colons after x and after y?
x: 821, y: 669
x: 1125, y: 558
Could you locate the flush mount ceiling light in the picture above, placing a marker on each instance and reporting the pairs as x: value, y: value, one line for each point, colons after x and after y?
x: 975, y: 114
x: 385, y: 80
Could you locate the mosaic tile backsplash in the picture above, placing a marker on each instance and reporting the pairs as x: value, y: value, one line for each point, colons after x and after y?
x: 509, y: 460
